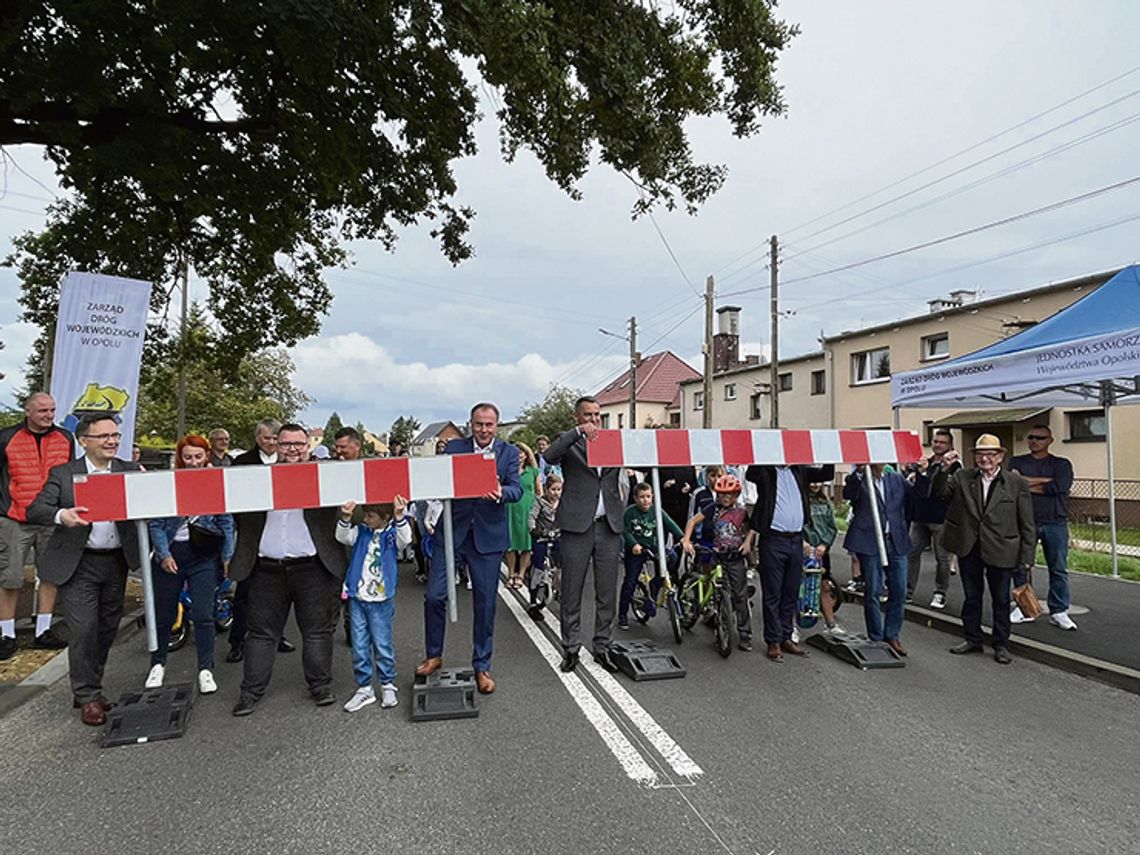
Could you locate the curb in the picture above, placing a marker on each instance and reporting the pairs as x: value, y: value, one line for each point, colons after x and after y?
x: 56, y: 668
x: 1103, y: 671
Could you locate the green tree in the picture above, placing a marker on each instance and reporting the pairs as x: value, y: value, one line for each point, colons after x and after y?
x: 403, y: 431
x: 367, y: 446
x: 554, y: 414
x: 331, y: 427
x: 250, y: 140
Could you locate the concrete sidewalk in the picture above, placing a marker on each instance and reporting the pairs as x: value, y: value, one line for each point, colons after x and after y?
x: 1105, y: 610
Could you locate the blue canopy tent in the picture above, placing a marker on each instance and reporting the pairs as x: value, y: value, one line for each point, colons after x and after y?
x: 1089, y: 352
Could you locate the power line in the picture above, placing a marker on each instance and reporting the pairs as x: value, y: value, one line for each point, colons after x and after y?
x: 673, y: 256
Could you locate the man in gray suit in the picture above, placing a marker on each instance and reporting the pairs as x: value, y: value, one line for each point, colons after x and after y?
x: 88, y: 561
x: 590, y: 516
x: 291, y: 559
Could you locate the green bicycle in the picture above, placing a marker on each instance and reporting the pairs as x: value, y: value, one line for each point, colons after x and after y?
x: 704, y: 592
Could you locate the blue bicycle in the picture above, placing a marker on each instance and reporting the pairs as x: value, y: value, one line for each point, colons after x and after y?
x: 223, y: 613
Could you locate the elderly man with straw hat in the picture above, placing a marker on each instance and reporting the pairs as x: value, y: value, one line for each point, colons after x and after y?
x: 989, y: 526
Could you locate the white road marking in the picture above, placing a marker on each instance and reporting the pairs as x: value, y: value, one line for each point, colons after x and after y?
x: 629, y: 757
x: 665, y: 745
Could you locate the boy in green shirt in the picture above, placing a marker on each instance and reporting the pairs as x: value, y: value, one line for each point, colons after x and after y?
x: 640, y: 539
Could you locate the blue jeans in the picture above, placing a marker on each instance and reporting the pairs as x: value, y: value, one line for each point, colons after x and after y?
x: 484, y: 570
x: 372, y: 632
x: 199, y: 572
x: 1054, y: 539
x: 873, y: 572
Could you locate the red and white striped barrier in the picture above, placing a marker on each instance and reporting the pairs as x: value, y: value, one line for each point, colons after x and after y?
x: 237, y: 489
x: 649, y: 448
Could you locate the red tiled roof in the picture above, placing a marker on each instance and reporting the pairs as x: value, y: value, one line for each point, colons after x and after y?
x: 657, y: 379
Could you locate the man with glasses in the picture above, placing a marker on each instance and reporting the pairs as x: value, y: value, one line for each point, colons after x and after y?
x: 927, y: 514
x: 989, y: 526
x: 88, y: 561
x: 291, y: 560
x: 219, y: 448
x: 1050, y: 480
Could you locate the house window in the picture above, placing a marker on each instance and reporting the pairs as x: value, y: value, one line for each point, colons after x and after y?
x: 698, y: 400
x: 1087, y: 426
x: 871, y: 366
x: 730, y: 391
x: 621, y: 417
x: 935, y: 346
x: 786, y: 381
x: 819, y: 382
x: 605, y: 421
x: 754, y: 406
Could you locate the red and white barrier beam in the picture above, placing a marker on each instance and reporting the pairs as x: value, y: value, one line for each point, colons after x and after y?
x: 238, y: 489
x: 650, y: 448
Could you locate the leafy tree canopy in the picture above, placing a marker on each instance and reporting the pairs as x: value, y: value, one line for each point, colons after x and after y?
x: 249, y: 140
x: 553, y: 415
x: 403, y: 431
x: 331, y: 427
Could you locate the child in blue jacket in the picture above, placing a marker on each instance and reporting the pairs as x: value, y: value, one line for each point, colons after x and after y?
x: 370, y: 588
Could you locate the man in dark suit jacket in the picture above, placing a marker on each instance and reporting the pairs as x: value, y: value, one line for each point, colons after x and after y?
x: 264, y: 449
x: 892, y: 493
x: 88, y: 561
x: 481, y: 536
x: 290, y: 559
x: 778, y: 519
x: 590, y: 515
x: 989, y: 526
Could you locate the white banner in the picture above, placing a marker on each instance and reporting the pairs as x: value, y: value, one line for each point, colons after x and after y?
x: 98, y: 349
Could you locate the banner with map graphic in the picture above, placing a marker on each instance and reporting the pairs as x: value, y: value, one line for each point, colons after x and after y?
x: 98, y: 350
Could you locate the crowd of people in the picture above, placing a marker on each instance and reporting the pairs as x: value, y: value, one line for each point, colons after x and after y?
x: 550, y: 508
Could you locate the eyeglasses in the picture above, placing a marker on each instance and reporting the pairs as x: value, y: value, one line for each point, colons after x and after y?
x: 102, y: 437
x: 1036, y: 438
x: 292, y: 444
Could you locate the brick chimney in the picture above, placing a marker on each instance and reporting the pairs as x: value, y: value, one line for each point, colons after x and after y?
x: 726, y: 342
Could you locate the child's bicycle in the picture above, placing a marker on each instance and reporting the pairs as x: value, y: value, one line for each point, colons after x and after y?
x: 544, y: 579
x: 223, y: 613
x: 643, y: 607
x: 704, y: 592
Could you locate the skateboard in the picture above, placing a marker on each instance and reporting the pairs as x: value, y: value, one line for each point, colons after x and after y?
x: 808, y: 613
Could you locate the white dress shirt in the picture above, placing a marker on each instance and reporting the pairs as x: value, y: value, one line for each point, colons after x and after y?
x: 286, y: 535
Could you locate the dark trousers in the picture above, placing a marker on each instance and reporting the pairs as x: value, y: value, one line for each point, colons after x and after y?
x: 975, y: 574
x: 735, y: 567
x: 781, y: 569
x: 633, y: 565
x: 199, y: 572
x: 313, y: 593
x: 601, y: 544
x: 484, y: 570
x: 240, y: 625
x: 92, y: 604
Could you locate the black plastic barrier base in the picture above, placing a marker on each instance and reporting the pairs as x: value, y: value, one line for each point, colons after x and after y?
x: 858, y: 650
x: 448, y: 693
x: 149, y: 716
x: 641, y: 660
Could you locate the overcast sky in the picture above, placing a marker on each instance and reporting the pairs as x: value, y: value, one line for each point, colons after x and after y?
x: 876, y: 92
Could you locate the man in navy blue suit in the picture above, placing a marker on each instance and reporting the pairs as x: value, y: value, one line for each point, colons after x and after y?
x: 481, y: 537
x: 890, y: 490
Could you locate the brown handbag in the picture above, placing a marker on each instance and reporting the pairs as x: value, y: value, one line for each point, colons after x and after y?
x: 1026, y: 597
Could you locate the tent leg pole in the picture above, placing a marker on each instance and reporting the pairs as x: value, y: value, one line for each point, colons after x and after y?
x: 1111, y: 489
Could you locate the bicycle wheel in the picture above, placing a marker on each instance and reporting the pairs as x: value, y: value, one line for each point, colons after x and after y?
x: 178, y: 632
x: 723, y: 622
x: 639, y: 605
x: 674, y: 615
x: 690, y: 599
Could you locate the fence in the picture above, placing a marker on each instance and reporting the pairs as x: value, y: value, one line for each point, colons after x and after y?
x: 1088, y: 515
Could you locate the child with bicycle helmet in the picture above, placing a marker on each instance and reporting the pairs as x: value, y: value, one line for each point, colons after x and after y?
x: 639, y: 536
x: 731, y: 542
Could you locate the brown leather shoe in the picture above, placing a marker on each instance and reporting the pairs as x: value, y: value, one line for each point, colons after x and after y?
x: 793, y: 648
x: 429, y: 666
x: 774, y: 653
x: 101, y: 701
x: 893, y: 643
x: 484, y: 682
x: 93, y: 714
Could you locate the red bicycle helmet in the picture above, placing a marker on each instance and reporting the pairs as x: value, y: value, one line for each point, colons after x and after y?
x: 726, y: 484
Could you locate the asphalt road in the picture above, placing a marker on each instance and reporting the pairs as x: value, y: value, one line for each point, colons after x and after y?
x: 949, y: 755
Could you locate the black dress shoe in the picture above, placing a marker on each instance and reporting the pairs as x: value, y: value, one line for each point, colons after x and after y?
x: 966, y: 647
x: 245, y: 706
x: 49, y: 640
x: 285, y: 646
x: 8, y: 647
x: 1001, y: 656
x: 323, y: 697
x: 236, y: 654
x: 603, y: 658
x: 569, y: 661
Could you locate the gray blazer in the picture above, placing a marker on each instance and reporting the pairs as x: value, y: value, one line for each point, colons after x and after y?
x: 65, y: 547
x: 581, y: 483
x: 322, y: 529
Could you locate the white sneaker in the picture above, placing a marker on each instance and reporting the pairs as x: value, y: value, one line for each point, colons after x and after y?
x: 938, y: 601
x: 795, y: 635
x: 468, y: 583
x: 1062, y: 620
x: 154, y: 678
x: 1017, y: 616
x: 836, y: 630
x: 363, y: 697
x: 388, y: 696
x: 206, y: 684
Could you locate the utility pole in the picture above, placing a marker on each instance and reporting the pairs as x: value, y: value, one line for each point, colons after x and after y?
x: 706, y: 416
x: 632, y: 373
x: 185, y: 275
x: 773, y: 359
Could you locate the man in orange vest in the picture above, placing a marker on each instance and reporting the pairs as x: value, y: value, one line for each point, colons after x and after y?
x: 28, y: 451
